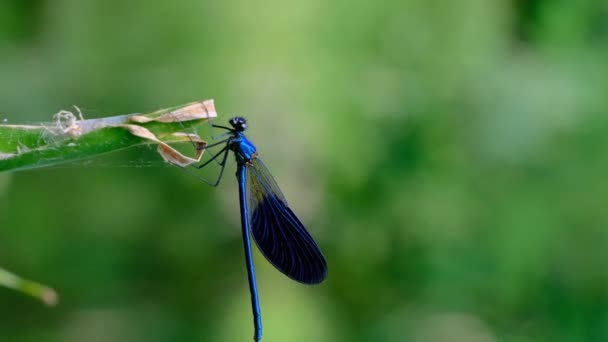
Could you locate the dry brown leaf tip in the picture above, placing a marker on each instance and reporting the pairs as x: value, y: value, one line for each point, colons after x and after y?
x: 194, y: 111
x: 165, y: 150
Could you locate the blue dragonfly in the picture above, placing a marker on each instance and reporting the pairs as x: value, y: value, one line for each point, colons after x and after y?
x: 266, y: 216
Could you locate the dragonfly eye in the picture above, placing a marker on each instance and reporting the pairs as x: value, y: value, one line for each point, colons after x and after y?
x: 238, y: 123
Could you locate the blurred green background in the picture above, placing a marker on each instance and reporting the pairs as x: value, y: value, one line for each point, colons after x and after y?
x: 449, y: 157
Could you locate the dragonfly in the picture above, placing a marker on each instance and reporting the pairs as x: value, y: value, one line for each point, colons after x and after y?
x: 265, y: 215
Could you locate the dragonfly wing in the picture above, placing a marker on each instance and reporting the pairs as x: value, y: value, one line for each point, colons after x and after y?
x: 278, y: 232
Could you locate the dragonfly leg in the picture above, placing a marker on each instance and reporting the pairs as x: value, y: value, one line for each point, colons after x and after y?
x: 224, y: 153
x: 213, y: 156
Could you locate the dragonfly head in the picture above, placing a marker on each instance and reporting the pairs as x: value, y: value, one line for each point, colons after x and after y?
x: 238, y: 123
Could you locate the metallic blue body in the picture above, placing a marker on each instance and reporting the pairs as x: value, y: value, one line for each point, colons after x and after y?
x: 243, y: 149
x: 241, y: 175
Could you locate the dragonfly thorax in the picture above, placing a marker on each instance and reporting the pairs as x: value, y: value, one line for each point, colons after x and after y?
x: 244, y: 150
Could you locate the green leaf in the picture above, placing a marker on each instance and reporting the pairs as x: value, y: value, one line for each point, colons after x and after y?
x: 68, y: 138
x: 32, y: 288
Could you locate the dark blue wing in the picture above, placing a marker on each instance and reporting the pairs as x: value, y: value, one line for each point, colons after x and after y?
x: 278, y: 232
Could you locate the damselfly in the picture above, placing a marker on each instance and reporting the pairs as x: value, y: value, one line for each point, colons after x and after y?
x: 277, y: 231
